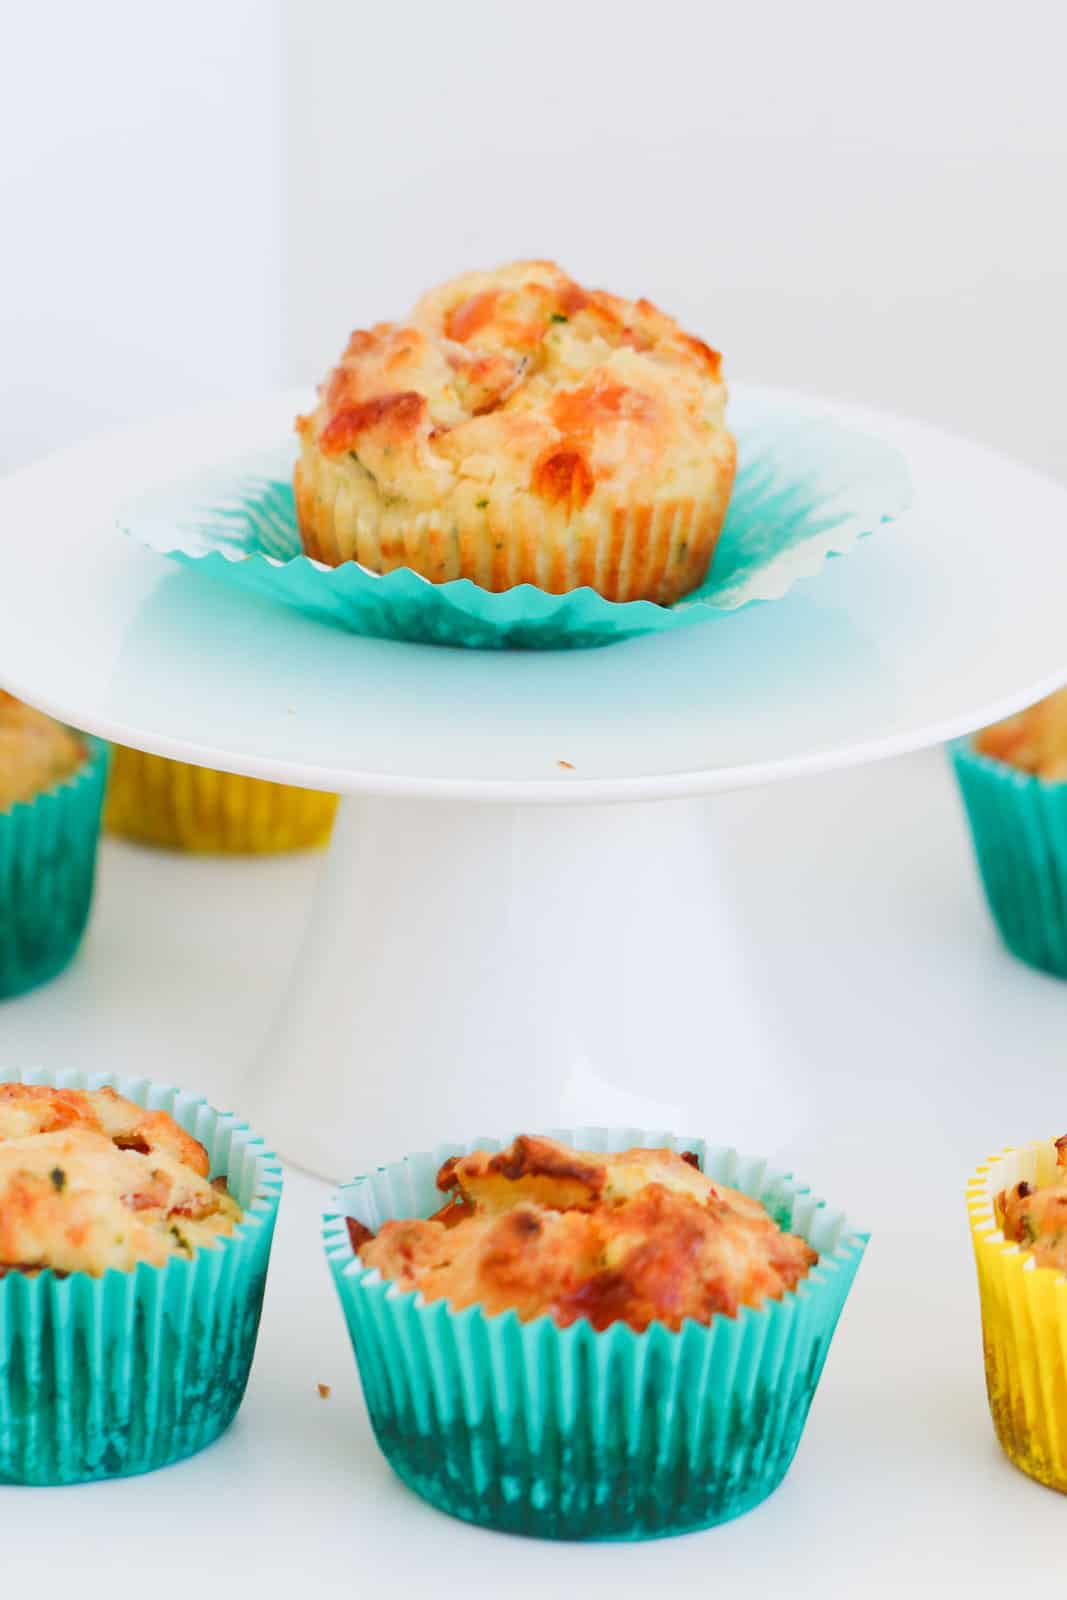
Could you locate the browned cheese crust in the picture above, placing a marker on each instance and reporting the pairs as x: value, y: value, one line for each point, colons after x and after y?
x: 1036, y: 1218
x: 35, y: 752
x: 90, y: 1180
x: 519, y: 428
x: 1034, y: 741
x: 639, y: 1236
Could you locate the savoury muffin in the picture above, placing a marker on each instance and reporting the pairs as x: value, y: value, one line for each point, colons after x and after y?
x: 1018, y: 1213
x: 35, y: 752
x: 176, y: 806
x: 90, y: 1181
x: 639, y: 1236
x: 597, y: 1335
x: 51, y: 792
x: 517, y: 428
x: 135, y: 1231
x: 1013, y: 779
x: 1034, y: 741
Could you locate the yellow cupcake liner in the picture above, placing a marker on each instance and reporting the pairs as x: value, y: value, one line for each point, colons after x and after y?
x: 1024, y: 1323
x: 180, y: 807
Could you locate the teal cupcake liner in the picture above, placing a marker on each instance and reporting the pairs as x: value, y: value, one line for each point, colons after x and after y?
x: 106, y: 1377
x: 570, y: 1433
x: 47, y: 871
x: 807, y: 489
x: 1019, y: 830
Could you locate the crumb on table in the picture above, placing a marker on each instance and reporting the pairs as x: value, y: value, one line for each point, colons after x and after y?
x: 569, y: 765
x: 324, y: 1391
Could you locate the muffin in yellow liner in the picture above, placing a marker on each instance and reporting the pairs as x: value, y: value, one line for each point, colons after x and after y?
x: 517, y: 428
x: 180, y: 807
x: 1024, y: 1305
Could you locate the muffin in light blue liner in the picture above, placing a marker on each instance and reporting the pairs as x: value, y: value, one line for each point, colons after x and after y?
x: 1019, y: 831
x: 47, y: 872
x: 106, y: 1377
x: 806, y: 489
x: 570, y: 1433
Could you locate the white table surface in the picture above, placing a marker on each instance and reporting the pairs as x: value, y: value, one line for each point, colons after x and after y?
x: 922, y: 1045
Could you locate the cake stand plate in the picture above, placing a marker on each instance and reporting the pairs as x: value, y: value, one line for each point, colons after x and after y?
x: 528, y: 913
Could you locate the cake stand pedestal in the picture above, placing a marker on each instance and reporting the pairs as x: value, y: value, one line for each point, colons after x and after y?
x: 528, y: 914
x: 479, y: 967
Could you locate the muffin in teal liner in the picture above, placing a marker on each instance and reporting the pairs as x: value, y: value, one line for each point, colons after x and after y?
x: 106, y: 1376
x: 47, y: 871
x: 808, y: 489
x: 570, y: 1432
x: 1018, y: 827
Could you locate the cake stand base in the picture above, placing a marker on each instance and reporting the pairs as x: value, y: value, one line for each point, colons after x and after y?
x: 481, y: 968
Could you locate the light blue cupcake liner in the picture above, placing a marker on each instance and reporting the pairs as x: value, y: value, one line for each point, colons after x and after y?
x: 806, y: 490
x: 570, y: 1433
x: 1019, y: 830
x: 110, y: 1376
x: 47, y: 871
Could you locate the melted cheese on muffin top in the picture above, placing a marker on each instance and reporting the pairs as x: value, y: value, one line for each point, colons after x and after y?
x: 638, y: 1236
x: 521, y: 379
x: 1036, y: 1218
x: 90, y: 1180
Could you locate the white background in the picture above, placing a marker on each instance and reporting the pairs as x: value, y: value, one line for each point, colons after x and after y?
x: 140, y: 212
x: 204, y: 198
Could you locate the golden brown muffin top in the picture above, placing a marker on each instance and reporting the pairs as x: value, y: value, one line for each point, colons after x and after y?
x: 1036, y: 1217
x: 522, y: 379
x: 90, y: 1180
x: 637, y: 1236
x: 1035, y: 740
x: 35, y: 752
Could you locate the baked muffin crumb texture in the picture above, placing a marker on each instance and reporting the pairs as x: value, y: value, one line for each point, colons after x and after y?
x: 637, y: 1236
x: 1034, y: 740
x: 35, y: 751
x: 1035, y: 1216
x: 519, y: 428
x: 90, y: 1180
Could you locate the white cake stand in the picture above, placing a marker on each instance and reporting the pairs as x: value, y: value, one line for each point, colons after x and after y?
x: 527, y: 914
